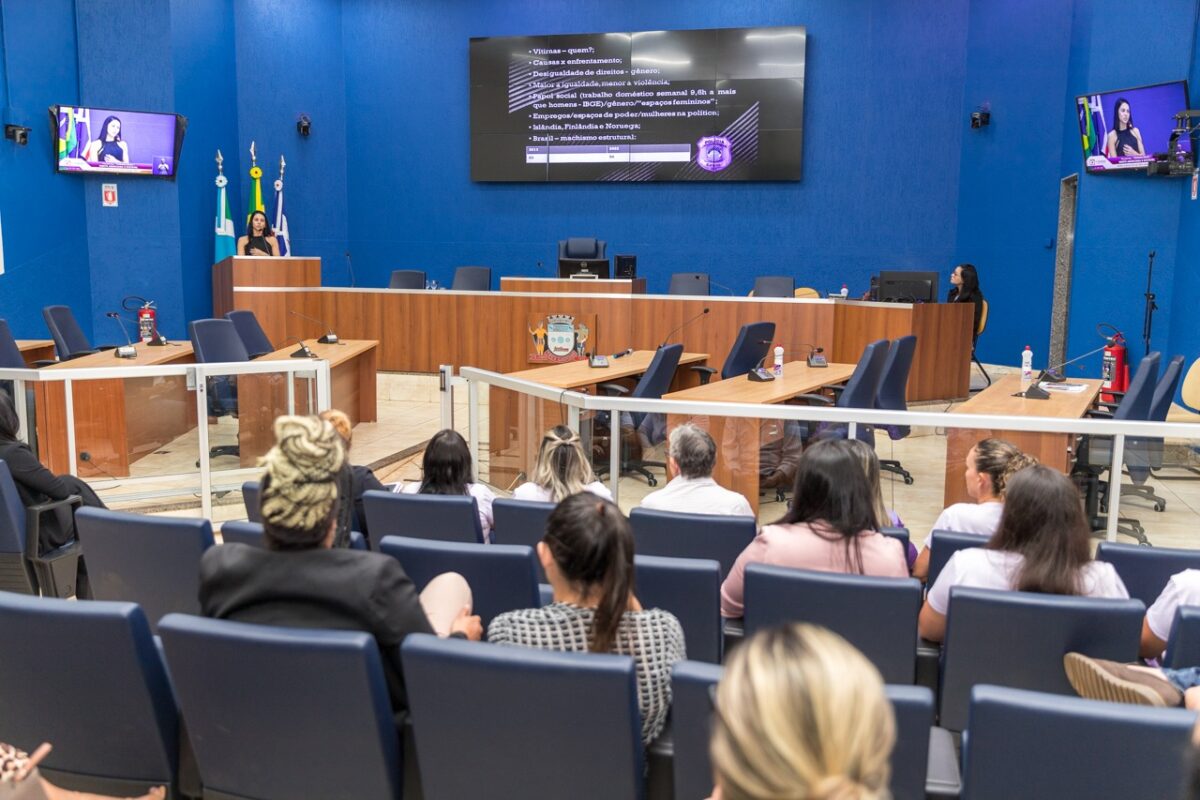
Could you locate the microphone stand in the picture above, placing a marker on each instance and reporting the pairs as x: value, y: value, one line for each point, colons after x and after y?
x: 1151, y: 306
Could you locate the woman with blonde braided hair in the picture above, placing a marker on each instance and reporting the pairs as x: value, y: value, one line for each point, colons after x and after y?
x: 802, y: 715
x: 562, y: 469
x: 299, y: 580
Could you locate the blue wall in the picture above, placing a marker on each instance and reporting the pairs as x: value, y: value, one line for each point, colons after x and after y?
x: 893, y: 175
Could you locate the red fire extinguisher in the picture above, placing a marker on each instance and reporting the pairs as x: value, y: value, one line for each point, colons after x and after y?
x: 147, y: 318
x: 1115, y: 368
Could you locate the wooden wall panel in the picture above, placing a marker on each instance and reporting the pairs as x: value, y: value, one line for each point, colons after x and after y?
x: 561, y: 286
x: 235, y: 271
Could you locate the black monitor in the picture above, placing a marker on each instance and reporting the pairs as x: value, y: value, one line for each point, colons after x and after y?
x: 908, y: 287
x: 583, y: 268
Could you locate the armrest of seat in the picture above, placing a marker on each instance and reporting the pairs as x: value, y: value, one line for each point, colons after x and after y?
x: 44, y: 362
x: 33, y: 523
x: 929, y: 656
x: 1098, y: 413
x: 613, y: 389
x: 83, y: 353
x: 942, y: 775
x: 706, y: 373
x: 103, y: 348
x: 815, y: 398
x: 1109, y: 406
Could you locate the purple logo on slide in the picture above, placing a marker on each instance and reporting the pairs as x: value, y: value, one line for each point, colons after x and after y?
x: 714, y: 153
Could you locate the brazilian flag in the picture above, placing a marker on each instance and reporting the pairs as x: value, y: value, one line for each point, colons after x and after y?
x: 256, y: 201
x: 67, y: 143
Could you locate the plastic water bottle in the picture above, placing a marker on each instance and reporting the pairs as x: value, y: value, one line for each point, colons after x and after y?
x: 779, y: 361
x: 1027, y: 365
x: 845, y: 292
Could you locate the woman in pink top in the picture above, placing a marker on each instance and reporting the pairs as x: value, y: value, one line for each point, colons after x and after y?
x: 831, y: 526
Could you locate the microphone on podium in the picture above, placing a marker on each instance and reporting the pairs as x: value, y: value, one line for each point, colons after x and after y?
x: 329, y: 338
x: 304, y: 352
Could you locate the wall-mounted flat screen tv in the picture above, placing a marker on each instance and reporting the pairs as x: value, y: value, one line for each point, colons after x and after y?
x: 1123, y: 129
x: 702, y: 105
x: 115, y: 142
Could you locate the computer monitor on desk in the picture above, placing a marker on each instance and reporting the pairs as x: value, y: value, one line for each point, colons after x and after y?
x: 896, y: 286
x: 583, y: 268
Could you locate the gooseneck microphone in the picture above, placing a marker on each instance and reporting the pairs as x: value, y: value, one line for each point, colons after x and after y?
x: 304, y: 352
x: 667, y: 340
x: 126, y: 350
x: 721, y: 286
x: 329, y: 338
x: 350, y: 269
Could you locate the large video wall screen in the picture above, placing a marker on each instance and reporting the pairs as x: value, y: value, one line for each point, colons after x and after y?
x: 705, y: 105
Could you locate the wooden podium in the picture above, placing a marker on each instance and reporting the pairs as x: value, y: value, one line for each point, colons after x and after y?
x: 235, y: 271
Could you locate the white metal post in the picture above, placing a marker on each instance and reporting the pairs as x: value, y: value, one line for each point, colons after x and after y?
x: 201, y: 382
x: 614, y: 451
x: 1114, y: 487
x: 69, y: 394
x: 473, y: 424
x: 19, y: 401
x: 446, y: 394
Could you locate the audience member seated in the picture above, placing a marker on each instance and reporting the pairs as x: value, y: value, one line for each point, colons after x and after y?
x: 990, y: 464
x: 831, y: 526
x: 19, y: 780
x: 299, y: 580
x: 799, y: 713
x: 562, y: 469
x: 1100, y: 679
x: 1043, y: 544
x: 354, y: 480
x: 587, y: 554
x: 36, y: 484
x: 1182, y: 590
x: 691, y: 454
x: 885, y: 515
x: 446, y: 469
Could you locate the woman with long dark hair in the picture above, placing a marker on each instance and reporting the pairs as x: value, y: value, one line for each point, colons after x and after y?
x: 446, y: 469
x: 109, y: 148
x: 259, y: 239
x: 587, y: 554
x: 1124, y: 140
x: 1042, y: 545
x: 965, y: 289
x: 831, y: 526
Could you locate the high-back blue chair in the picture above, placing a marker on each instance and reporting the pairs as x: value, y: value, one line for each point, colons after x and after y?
x: 694, y: 283
x: 691, y: 726
x: 517, y: 711
x: 876, y: 615
x: 1145, y: 571
x: 148, y: 560
x: 319, y: 695
x: 668, y: 533
x: 407, y: 279
x: 251, y: 333
x: 1028, y: 744
x: 1183, y: 645
x: 900, y: 535
x: 440, y: 517
x: 23, y: 567
x: 652, y: 385
x: 690, y: 588
x: 774, y: 286
x: 217, y: 341
x: 1144, y: 455
x: 581, y: 248
x: 472, y: 279
x: 69, y: 339
x: 251, y: 533
x: 749, y: 348
x: 501, y: 576
x: 252, y: 499
x: 859, y: 392
x: 942, y: 547
x: 86, y: 677
x: 521, y: 522
x: 10, y: 352
x: 1018, y: 639
x: 893, y: 394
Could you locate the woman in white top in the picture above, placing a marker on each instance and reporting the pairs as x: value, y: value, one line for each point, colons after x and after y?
x: 562, y: 470
x: 989, y: 465
x: 1043, y: 545
x: 446, y: 469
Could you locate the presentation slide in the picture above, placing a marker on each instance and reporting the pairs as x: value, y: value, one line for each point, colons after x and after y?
x: 1122, y: 130
x: 702, y: 105
x: 115, y: 142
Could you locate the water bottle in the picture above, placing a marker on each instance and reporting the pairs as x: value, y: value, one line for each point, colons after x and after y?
x: 779, y: 361
x: 845, y: 292
x: 1027, y: 365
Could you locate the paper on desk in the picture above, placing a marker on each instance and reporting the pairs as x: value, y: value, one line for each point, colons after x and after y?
x: 1069, y: 388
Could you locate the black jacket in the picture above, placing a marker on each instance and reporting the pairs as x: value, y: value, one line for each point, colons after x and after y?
x: 36, y: 484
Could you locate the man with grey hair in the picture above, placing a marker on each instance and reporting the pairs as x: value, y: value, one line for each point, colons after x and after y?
x: 691, y: 453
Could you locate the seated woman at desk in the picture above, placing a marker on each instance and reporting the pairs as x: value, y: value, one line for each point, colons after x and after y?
x: 259, y: 239
x: 561, y: 470
x: 446, y: 469
x: 966, y: 290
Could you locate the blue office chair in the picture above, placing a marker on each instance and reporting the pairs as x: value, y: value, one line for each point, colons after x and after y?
x: 472, y: 279
x: 751, y: 346
x: 876, y: 615
x: 693, y: 283
x: 252, y: 499
x: 217, y: 341
x: 690, y: 588
x: 581, y: 248
x: 774, y: 286
x: 24, y: 568
x: 407, y: 279
x: 1183, y: 645
x: 691, y: 726
x: 501, y: 576
x: 1018, y: 639
x: 251, y: 333
x: 1028, y: 744
x: 86, y: 677
x: 652, y: 385
x: 709, y: 536
x: 517, y: 711
x: 942, y: 547
x: 893, y: 393
x: 151, y: 561
x: 1145, y: 571
x: 251, y: 533
x: 10, y: 352
x: 320, y: 691
x: 440, y: 517
x: 1142, y: 456
x: 69, y: 339
x: 859, y: 392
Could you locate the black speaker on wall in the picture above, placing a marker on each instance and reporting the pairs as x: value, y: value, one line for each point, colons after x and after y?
x: 626, y: 267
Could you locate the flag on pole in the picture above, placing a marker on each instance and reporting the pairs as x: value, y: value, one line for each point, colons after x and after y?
x: 67, y: 138
x: 256, y: 201
x: 225, y: 241
x: 281, y: 224
x: 83, y: 132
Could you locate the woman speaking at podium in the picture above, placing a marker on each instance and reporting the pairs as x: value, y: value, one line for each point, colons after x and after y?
x: 259, y: 239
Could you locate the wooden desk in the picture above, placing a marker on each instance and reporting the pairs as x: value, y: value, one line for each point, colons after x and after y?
x: 235, y: 271
x: 116, y: 421
x: 577, y: 374
x: 739, y: 440
x: 262, y: 398
x: 36, y: 350
x: 574, y: 286
x: 1052, y: 449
